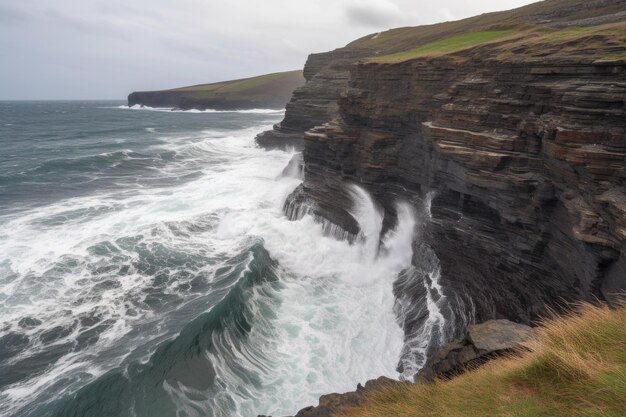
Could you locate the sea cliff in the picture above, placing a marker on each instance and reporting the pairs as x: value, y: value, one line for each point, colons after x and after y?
x: 508, y: 130
x: 519, y: 143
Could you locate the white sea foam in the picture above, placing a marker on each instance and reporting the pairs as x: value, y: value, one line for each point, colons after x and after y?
x: 334, y: 323
x: 170, y: 109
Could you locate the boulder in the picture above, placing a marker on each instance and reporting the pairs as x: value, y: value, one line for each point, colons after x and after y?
x: 482, y: 342
x: 495, y: 335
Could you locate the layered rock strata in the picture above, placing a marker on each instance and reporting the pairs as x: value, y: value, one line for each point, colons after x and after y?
x: 315, y: 103
x: 526, y: 162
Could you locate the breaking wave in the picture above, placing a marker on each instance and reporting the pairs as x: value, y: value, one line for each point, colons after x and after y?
x: 171, y: 109
x: 184, y: 290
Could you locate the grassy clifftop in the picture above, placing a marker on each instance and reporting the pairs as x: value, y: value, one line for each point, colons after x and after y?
x: 548, y: 14
x: 264, y: 91
x: 606, y: 41
x: 577, y: 368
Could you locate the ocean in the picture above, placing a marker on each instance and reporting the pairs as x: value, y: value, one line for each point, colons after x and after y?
x: 147, y: 269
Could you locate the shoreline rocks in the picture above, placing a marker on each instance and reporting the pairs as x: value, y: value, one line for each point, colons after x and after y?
x: 481, y: 343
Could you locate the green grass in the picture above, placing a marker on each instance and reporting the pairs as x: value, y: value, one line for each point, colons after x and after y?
x: 264, y: 91
x: 242, y: 84
x: 571, y: 32
x: 447, y: 45
x: 617, y: 56
x: 535, y: 15
x: 244, y: 88
x: 577, y: 369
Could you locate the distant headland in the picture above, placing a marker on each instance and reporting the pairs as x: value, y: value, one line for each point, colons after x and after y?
x: 270, y: 91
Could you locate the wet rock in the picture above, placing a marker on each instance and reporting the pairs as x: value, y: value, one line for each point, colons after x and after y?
x: 482, y: 342
x: 330, y: 404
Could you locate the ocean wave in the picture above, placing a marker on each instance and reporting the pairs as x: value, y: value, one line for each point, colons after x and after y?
x: 200, y: 298
x: 175, y: 110
x: 266, y: 346
x: 87, y: 281
x: 243, y: 286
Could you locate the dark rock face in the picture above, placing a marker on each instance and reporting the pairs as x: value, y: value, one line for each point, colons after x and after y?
x: 315, y: 103
x: 182, y: 100
x: 155, y: 98
x: 526, y: 161
x: 331, y: 404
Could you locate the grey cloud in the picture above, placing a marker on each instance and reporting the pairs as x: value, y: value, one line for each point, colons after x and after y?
x: 11, y: 15
x: 106, y: 48
x: 373, y: 13
x: 88, y: 25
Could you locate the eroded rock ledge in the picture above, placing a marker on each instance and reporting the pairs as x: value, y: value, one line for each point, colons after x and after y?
x: 314, y: 103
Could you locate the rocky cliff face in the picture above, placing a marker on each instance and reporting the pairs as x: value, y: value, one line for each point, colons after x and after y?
x: 513, y: 152
x: 315, y: 103
x: 525, y: 160
x: 518, y: 147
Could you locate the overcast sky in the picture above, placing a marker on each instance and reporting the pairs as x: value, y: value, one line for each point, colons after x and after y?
x: 104, y: 49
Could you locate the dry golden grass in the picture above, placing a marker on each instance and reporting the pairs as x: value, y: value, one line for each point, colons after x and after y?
x: 577, y: 368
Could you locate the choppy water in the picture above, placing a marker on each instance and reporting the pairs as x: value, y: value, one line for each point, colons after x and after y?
x: 147, y: 269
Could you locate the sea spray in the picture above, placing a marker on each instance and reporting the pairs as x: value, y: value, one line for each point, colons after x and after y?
x: 151, y: 270
x: 320, y: 319
x: 169, y: 278
x: 370, y: 219
x: 428, y: 316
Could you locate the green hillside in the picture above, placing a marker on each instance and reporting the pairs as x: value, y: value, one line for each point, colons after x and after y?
x: 264, y: 91
x: 549, y: 14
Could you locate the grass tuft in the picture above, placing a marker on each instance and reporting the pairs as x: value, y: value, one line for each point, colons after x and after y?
x: 577, y: 368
